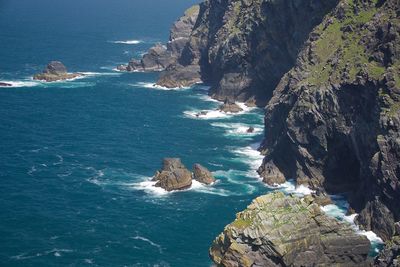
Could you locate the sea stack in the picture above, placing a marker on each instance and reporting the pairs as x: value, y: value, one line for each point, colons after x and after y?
x: 202, y: 174
x: 55, y: 71
x: 175, y: 176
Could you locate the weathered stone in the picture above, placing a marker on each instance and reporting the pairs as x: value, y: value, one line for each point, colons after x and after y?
x: 230, y: 107
x: 279, y: 230
x: 56, y: 71
x: 173, y: 175
x: 202, y: 174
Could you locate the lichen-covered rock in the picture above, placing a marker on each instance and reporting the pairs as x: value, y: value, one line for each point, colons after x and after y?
x: 55, y: 71
x: 279, y: 230
x: 173, y: 175
x: 334, y: 119
x: 202, y: 174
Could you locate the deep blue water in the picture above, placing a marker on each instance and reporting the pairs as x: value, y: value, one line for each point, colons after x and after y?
x: 76, y: 156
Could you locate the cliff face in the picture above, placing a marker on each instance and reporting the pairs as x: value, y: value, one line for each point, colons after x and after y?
x: 243, y: 47
x: 278, y: 230
x: 333, y: 121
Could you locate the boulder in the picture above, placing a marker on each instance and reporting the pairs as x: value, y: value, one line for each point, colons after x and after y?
x: 173, y: 175
x: 230, y: 107
x: 279, y: 230
x: 202, y: 174
x: 55, y: 71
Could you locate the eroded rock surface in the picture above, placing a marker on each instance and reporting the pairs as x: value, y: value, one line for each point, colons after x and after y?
x: 202, y: 174
x: 279, y: 230
x: 55, y: 71
x: 173, y: 175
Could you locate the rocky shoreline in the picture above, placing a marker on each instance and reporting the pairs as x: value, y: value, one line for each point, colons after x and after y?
x: 328, y: 73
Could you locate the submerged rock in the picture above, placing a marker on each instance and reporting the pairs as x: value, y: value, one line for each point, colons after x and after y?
x: 202, y: 174
x: 279, y: 230
x: 173, y: 175
x: 3, y: 84
x: 250, y: 130
x: 230, y: 107
x: 55, y: 71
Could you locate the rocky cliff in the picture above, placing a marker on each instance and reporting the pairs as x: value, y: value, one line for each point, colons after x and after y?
x: 279, y: 230
x: 333, y: 121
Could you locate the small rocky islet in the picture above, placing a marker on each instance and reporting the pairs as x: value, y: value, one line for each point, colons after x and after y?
x: 175, y: 176
x: 56, y: 71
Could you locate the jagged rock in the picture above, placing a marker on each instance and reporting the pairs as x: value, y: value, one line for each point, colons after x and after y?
x: 230, y: 107
x: 160, y: 57
x: 173, y: 175
x: 250, y: 130
x: 202, y: 174
x: 333, y: 121
x: 390, y: 255
x: 56, y: 71
x: 177, y: 76
x: 279, y: 230
x: 3, y: 84
x: 271, y: 174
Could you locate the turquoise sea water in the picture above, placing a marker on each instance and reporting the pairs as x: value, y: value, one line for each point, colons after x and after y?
x: 76, y: 157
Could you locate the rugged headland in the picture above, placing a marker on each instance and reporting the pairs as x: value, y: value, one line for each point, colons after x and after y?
x: 328, y: 73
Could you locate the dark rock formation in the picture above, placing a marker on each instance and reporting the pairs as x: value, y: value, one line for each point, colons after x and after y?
x: 173, y: 175
x: 242, y: 48
x: 55, y: 71
x: 202, y: 174
x: 230, y: 107
x: 279, y: 230
x: 3, y: 84
x: 334, y: 119
x: 390, y: 256
x: 161, y: 57
x: 250, y: 130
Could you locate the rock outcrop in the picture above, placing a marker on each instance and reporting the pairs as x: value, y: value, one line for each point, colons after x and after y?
x: 161, y: 57
x: 175, y: 176
x: 279, y: 230
x: 230, y: 107
x: 390, y: 255
x: 334, y: 119
x: 202, y: 174
x: 55, y: 71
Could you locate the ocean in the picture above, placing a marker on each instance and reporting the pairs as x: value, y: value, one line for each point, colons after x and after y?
x: 77, y: 156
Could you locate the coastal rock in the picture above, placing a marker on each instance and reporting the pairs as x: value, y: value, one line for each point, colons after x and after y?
x: 3, y: 84
x: 333, y: 122
x: 230, y: 107
x: 279, y: 230
x: 160, y: 57
x: 390, y: 255
x: 250, y: 130
x: 56, y: 71
x: 173, y: 175
x: 202, y: 174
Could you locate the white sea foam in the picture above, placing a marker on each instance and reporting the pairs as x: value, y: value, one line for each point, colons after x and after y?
x: 289, y: 187
x: 128, y: 42
x: 238, y: 129
x: 250, y: 156
x: 56, y: 252
x: 339, y: 210
x: 144, y: 239
x: 206, y: 114
x: 22, y: 83
x: 155, y: 86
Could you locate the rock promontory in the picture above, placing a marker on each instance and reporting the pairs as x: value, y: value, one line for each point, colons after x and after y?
x: 279, y: 230
x: 230, y: 107
x: 175, y: 176
x: 56, y: 71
